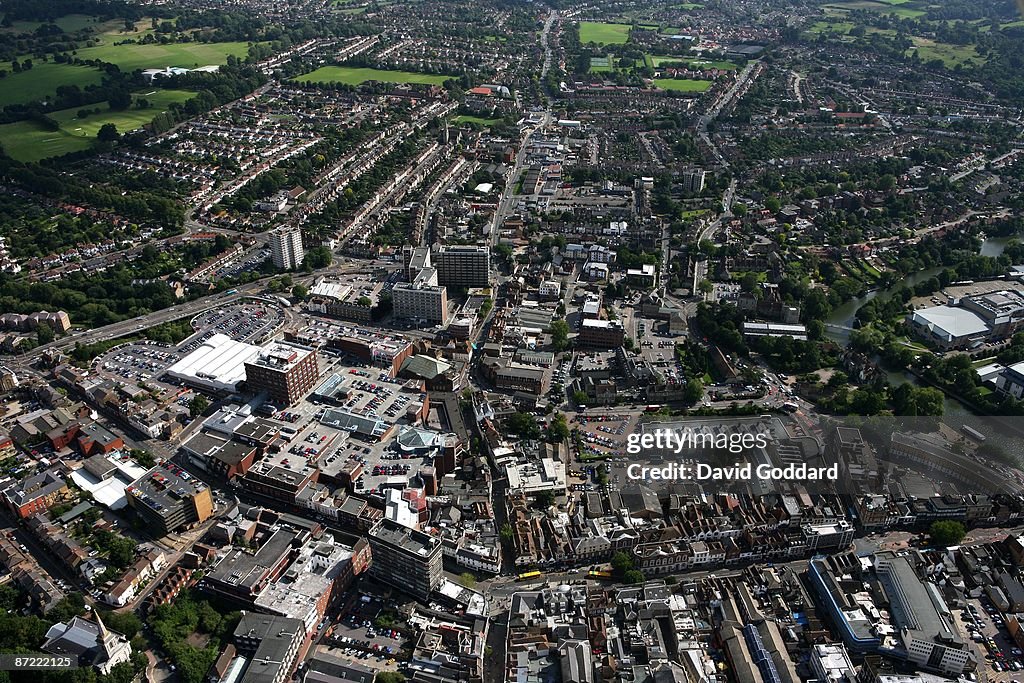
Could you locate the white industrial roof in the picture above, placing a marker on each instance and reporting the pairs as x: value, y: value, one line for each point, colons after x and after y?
x: 333, y: 290
x: 218, y: 364
x: 949, y: 322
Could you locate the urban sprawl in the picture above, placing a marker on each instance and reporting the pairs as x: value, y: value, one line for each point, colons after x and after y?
x: 462, y: 341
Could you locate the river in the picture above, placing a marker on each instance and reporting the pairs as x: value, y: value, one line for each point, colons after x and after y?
x: 844, y: 316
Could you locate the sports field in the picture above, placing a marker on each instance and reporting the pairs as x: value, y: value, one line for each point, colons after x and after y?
x: 695, y: 63
x: 29, y: 141
x: 130, y: 57
x: 351, y: 75
x: 604, y: 34
x: 41, y: 81
x: 682, y: 84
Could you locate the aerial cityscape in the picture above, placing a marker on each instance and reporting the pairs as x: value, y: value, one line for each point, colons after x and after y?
x: 540, y: 341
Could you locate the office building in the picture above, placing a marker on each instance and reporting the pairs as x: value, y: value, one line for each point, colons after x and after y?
x: 283, y: 370
x: 35, y: 494
x: 407, y: 559
x: 242, y: 575
x: 286, y: 248
x: 601, y: 334
x: 271, y: 644
x: 462, y: 266
x: 924, y: 621
x: 421, y: 299
x: 168, y: 498
x: 831, y: 664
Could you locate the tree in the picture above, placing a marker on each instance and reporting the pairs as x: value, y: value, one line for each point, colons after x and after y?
x: 544, y: 500
x: 123, y: 622
x: 144, y: 458
x: 621, y: 563
x: 947, y: 532
x: 559, y: 335
x: 44, y: 334
x: 198, y: 405
x: 579, y: 398
x: 72, y: 605
x: 107, y: 133
x: 694, y: 391
x: 301, y: 292
x: 705, y: 287
x: 633, y: 576
x: 558, y: 430
x: 120, y: 99
x: 317, y: 257
x: 467, y: 579
x: 523, y: 425
x: 506, y: 534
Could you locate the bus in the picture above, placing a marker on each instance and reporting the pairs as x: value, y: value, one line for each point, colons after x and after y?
x: 528, y: 576
x: 595, y: 574
x: 790, y: 407
x: 652, y: 408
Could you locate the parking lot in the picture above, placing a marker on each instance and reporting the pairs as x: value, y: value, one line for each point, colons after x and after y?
x: 366, y: 631
x: 999, y: 657
x: 139, y: 361
x: 250, y: 260
x: 249, y: 322
x: 604, y: 436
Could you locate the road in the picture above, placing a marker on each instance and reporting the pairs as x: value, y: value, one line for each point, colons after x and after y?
x: 738, y: 87
x: 185, y: 310
x: 545, y: 32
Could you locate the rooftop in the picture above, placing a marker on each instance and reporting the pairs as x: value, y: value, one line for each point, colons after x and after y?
x: 164, y: 490
x: 409, y: 540
x: 218, y: 363
x: 281, y: 356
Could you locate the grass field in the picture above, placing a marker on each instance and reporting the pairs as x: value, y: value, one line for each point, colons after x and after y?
x: 950, y: 54
x: 41, y: 81
x: 355, y: 75
x: 905, y: 12
x: 28, y: 141
x: 682, y: 84
x: 186, y: 55
x: 880, y: 6
x: 476, y: 119
x: 113, y: 31
x: 657, y: 60
x: 604, y: 34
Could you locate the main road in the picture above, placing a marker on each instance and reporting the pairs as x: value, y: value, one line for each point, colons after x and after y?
x: 177, y: 312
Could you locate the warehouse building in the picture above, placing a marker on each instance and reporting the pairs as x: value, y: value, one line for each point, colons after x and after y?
x: 217, y: 366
